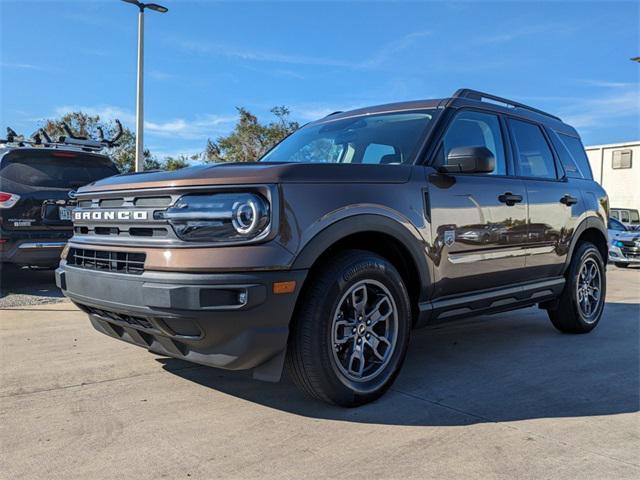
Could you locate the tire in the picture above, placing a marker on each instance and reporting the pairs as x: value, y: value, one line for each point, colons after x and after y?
x: 571, y: 315
x: 323, y: 358
x: 621, y: 265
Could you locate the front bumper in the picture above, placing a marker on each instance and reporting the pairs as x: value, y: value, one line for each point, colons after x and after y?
x: 226, y: 320
x: 628, y: 255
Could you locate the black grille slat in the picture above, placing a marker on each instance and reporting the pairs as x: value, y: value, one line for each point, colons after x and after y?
x: 121, y: 317
x: 119, y: 262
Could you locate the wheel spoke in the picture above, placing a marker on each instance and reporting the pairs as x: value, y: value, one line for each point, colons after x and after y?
x: 357, y: 357
x: 376, y: 342
x: 343, y: 331
x: 359, y: 299
x: 376, y: 316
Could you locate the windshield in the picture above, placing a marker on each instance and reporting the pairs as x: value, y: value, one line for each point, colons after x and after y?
x: 382, y: 139
x: 47, y: 169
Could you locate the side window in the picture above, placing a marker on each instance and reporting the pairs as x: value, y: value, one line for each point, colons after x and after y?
x: 576, y: 149
x: 614, y: 214
x: 475, y: 129
x: 532, y: 150
x: 624, y: 216
x: 621, y: 159
x: 570, y: 167
x: 381, y: 154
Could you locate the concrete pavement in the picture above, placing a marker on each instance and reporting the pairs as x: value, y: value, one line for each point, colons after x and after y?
x: 504, y: 396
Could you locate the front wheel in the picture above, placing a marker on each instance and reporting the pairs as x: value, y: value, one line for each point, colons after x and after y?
x: 351, y: 330
x: 581, y: 303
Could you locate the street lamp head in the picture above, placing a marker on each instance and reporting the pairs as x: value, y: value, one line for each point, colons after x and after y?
x: 152, y: 6
x: 156, y: 7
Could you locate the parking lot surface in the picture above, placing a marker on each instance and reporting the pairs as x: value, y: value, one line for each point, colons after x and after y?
x: 503, y: 396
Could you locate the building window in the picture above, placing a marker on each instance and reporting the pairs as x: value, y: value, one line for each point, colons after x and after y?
x: 621, y: 159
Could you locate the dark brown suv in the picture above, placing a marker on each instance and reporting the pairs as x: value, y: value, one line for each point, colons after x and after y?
x: 355, y: 229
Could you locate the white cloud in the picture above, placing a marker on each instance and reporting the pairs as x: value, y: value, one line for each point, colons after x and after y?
x: 379, y: 57
x: 511, y: 35
x: 199, y: 128
x: 22, y: 66
x: 603, y: 110
x: 608, y: 84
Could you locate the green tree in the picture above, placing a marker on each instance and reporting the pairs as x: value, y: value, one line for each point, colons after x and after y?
x: 250, y: 139
x: 85, y: 125
x: 175, y: 163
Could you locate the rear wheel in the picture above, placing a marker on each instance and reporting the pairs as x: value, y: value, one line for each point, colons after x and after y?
x: 621, y: 265
x: 581, y: 303
x: 351, y: 330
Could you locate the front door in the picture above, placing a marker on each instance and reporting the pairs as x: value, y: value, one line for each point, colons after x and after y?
x: 478, y: 221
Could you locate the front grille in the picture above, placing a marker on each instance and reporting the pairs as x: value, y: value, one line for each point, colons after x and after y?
x: 120, y: 262
x: 631, y: 252
x: 121, y: 317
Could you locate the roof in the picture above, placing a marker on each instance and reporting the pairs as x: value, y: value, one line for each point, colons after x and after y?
x: 461, y: 98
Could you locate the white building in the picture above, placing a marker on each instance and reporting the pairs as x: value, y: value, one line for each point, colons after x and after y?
x: 617, y: 168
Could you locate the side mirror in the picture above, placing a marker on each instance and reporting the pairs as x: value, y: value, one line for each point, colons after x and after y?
x: 469, y: 160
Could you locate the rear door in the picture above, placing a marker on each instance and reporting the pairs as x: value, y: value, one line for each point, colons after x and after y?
x: 555, y: 200
x: 43, y: 180
x: 478, y: 221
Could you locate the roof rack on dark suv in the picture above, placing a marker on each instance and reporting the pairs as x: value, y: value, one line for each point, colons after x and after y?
x: 481, y: 96
x: 42, y: 139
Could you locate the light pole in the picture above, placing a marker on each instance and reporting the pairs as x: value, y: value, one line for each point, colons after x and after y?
x: 140, y: 81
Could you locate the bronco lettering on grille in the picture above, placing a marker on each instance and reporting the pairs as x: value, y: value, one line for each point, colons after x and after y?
x: 111, y: 215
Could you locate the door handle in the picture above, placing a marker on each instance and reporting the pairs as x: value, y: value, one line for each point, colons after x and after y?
x: 568, y: 200
x: 510, y: 199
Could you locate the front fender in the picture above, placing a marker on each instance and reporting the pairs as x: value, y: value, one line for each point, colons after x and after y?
x: 355, y: 222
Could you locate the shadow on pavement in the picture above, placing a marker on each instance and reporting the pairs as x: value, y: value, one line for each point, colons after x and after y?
x: 38, y: 282
x: 506, y: 367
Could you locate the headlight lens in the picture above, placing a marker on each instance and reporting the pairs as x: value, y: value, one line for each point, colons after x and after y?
x: 220, y: 217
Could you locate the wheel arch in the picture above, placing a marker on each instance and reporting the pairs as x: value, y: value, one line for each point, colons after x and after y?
x: 591, y: 229
x: 379, y: 234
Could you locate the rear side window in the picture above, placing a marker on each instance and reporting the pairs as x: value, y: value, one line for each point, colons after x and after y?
x: 55, y: 169
x: 532, y: 150
x: 578, y: 155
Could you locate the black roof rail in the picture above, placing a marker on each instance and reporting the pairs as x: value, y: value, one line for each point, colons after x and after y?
x: 476, y: 95
x: 333, y: 113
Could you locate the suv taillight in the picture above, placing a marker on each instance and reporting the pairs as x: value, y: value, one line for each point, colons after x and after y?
x: 8, y: 200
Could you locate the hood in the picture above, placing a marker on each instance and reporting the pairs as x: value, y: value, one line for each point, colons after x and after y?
x: 254, y: 173
x: 629, y: 236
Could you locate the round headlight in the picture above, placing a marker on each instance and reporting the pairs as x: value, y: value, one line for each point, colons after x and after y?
x: 245, y: 217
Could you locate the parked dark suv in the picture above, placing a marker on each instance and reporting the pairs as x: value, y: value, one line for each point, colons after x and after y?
x: 347, y: 234
x: 37, y: 184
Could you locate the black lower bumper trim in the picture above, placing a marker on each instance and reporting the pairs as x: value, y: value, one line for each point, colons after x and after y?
x: 225, y: 320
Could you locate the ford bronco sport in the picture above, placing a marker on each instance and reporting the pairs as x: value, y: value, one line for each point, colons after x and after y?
x: 351, y: 231
x: 38, y: 179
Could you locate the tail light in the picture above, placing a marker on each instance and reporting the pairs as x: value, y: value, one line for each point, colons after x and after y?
x: 8, y: 200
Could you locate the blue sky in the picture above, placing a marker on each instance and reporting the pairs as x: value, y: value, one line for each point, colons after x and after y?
x: 204, y: 58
